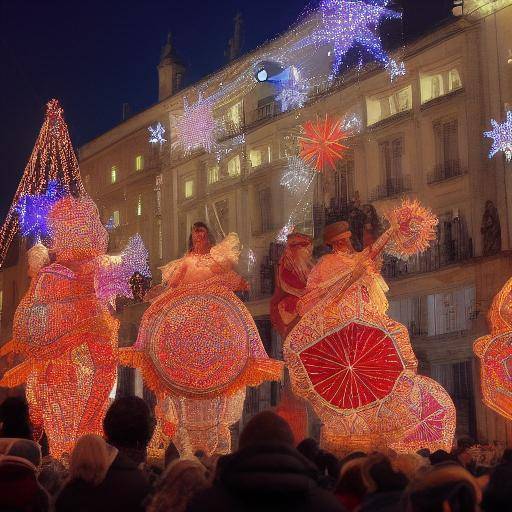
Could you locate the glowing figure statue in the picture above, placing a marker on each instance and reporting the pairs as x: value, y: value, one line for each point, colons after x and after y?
x: 352, y: 362
x: 198, y: 346
x: 291, y: 279
x: 63, y: 328
x: 495, y: 354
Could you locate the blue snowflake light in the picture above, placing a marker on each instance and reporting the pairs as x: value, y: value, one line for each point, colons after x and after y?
x: 346, y: 23
x: 502, y: 135
x: 33, y: 211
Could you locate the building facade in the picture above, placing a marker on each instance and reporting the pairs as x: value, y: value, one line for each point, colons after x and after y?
x: 421, y: 136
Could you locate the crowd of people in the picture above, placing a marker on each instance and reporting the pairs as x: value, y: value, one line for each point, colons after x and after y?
x: 268, y: 472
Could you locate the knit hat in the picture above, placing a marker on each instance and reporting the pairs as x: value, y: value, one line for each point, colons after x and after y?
x: 266, y: 426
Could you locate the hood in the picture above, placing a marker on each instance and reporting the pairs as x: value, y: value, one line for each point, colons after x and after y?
x: 268, y: 468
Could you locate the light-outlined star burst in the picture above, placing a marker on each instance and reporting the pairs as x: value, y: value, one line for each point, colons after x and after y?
x: 298, y: 175
x: 157, y: 134
x: 502, y: 137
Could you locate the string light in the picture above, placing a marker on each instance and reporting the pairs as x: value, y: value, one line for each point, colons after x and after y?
x: 502, y: 135
x: 320, y: 144
x: 347, y: 23
x: 52, y: 159
x: 195, y: 128
x: 157, y: 134
x: 297, y: 176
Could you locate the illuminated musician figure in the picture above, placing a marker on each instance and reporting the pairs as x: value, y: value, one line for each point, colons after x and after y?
x: 198, y: 346
x: 65, y: 331
x: 352, y: 362
x: 495, y: 354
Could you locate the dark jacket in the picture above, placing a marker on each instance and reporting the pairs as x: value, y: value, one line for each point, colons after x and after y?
x: 265, y: 477
x: 388, y: 501
x: 19, y: 489
x: 124, y: 489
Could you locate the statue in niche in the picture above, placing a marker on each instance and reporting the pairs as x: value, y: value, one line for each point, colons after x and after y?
x: 491, y: 230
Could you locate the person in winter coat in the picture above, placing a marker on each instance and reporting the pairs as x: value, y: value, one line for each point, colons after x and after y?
x: 266, y: 473
x: 102, y: 479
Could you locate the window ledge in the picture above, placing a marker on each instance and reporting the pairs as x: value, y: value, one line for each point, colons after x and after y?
x: 390, y: 120
x: 441, y: 99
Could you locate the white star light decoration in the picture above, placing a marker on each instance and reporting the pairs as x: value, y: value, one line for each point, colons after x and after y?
x: 195, y: 128
x: 157, y: 134
x: 347, y: 23
x: 292, y: 96
x: 298, y: 176
x: 395, y: 69
x: 502, y: 135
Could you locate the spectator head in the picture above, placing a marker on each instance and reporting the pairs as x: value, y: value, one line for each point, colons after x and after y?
x: 351, y: 479
x: 266, y: 426
x: 446, y: 487
x: 424, y: 452
x: 129, y: 423
x: 440, y: 457
x: 15, y: 419
x: 171, y: 453
x: 352, y: 456
x: 498, y: 493
x: 90, y: 460
x: 328, y: 464
x: 22, y: 450
x: 410, y: 464
x: 506, y: 458
x: 179, y: 483
x: 379, y: 475
x: 309, y: 448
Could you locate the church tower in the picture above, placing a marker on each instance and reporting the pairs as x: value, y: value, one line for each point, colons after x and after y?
x: 170, y: 71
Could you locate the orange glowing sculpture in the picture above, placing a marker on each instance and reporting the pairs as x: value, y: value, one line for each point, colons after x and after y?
x: 68, y: 336
x: 198, y: 346
x: 495, y: 354
x: 320, y: 145
x: 352, y: 362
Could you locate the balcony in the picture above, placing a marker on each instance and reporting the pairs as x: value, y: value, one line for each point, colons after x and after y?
x: 392, y: 187
x: 445, y: 171
x: 453, y: 245
x: 264, y: 112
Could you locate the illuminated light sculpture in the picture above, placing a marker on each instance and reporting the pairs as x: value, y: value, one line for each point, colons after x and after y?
x: 298, y: 175
x: 198, y: 347
x: 64, y: 328
x: 156, y: 134
x: 353, y: 363
x: 195, y: 128
x: 320, y: 145
x: 495, y: 354
x: 52, y: 158
x: 348, y: 23
x: 502, y: 135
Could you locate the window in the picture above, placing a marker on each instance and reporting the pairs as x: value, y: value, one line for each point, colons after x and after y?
x: 234, y: 166
x: 235, y: 115
x: 116, y: 218
x: 139, y: 163
x: 454, y: 81
x: 189, y: 189
x: 439, y: 83
x: 113, y: 174
x: 213, y: 174
x: 446, y: 135
x: 265, y: 207
x: 269, y: 154
x: 255, y: 157
x: 380, y: 108
x: 391, y: 166
x: 139, y: 206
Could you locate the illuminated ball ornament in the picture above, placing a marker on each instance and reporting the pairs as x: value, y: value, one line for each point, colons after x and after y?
x: 502, y: 135
x: 320, y: 145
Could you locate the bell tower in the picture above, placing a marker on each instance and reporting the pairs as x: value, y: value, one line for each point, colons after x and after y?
x: 170, y: 71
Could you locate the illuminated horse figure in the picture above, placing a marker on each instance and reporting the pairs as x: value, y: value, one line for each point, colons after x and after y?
x: 63, y: 325
x: 352, y: 362
x: 199, y: 348
x: 495, y: 354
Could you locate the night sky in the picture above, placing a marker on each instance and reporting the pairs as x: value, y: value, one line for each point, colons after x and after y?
x: 94, y: 56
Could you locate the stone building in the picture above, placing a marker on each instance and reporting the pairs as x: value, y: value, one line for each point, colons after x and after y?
x: 422, y: 136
